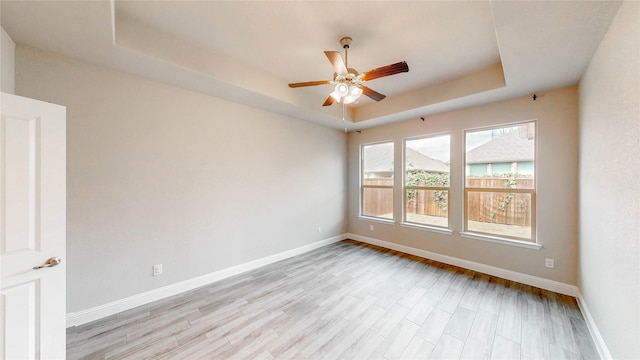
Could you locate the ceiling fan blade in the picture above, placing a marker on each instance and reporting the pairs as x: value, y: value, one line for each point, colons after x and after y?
x: 386, y: 71
x: 309, y: 83
x: 336, y: 61
x: 372, y: 93
x: 328, y: 102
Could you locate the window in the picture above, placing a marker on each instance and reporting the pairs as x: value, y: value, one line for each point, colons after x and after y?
x: 377, y: 180
x: 426, y: 181
x: 499, y: 194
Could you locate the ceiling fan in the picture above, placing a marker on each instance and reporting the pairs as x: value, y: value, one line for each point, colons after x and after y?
x: 349, y: 84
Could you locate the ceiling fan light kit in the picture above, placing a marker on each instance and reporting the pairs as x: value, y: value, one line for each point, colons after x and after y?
x: 349, y: 84
x: 346, y: 94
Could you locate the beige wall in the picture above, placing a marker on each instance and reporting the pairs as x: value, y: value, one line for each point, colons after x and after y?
x: 7, y: 63
x: 609, y: 261
x: 157, y: 174
x: 557, y: 178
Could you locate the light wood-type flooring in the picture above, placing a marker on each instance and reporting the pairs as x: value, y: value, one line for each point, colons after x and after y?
x: 347, y: 300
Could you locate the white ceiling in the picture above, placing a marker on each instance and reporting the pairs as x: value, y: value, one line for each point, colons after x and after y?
x: 459, y: 53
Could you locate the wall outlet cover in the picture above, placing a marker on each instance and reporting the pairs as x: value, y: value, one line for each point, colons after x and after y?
x: 157, y: 269
x: 550, y: 263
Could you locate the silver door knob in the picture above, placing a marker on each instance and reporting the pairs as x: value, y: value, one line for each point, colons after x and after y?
x: 51, y: 262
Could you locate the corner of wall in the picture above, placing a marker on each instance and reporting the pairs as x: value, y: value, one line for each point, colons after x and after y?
x: 601, y: 346
x: 7, y: 64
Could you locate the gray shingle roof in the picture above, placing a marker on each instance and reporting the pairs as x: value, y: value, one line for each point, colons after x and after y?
x: 419, y: 161
x: 380, y: 159
x: 510, y: 147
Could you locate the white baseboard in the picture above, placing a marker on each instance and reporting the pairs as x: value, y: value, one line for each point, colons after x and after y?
x: 542, y: 283
x: 101, y: 311
x: 539, y: 282
x: 601, y: 346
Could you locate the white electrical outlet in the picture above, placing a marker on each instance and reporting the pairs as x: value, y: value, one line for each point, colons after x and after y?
x: 550, y: 263
x: 157, y: 269
x: 319, y: 229
x: 371, y: 227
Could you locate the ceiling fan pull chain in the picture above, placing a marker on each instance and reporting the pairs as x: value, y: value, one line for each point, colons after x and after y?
x: 343, y: 108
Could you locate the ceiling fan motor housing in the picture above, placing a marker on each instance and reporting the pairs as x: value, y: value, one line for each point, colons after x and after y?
x: 345, y: 42
x: 352, y: 77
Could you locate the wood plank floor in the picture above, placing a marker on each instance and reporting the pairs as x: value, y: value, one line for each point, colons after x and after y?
x: 347, y: 300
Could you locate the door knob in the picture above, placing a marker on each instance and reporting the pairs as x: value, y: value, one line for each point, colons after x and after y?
x: 51, y: 262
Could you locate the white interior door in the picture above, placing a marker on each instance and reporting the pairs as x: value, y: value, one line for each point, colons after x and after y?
x: 32, y: 229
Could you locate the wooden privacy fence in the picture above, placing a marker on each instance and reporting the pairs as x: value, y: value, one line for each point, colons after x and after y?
x: 378, y: 201
x: 501, y: 207
x: 494, y: 207
x: 424, y: 202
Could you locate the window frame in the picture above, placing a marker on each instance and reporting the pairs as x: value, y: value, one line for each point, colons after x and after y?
x: 363, y: 186
x: 405, y: 188
x: 525, y: 242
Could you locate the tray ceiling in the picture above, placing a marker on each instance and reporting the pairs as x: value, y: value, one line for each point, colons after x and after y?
x: 459, y: 53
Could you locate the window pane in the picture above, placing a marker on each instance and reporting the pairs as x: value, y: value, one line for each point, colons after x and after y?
x: 426, y: 164
x: 377, y: 162
x: 501, y: 157
x: 427, y: 207
x: 427, y: 161
x: 377, y: 170
x: 377, y: 202
x: 499, y: 213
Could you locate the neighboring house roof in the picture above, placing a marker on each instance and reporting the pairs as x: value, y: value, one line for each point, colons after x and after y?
x: 518, y: 148
x: 380, y: 159
x: 419, y: 161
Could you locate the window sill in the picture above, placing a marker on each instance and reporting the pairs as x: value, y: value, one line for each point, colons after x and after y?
x: 375, y: 219
x: 500, y: 240
x: 427, y: 228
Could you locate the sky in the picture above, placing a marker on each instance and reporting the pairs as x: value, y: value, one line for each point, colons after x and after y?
x: 437, y: 147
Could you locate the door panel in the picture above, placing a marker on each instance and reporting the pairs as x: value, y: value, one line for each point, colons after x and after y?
x: 20, y: 206
x: 32, y: 228
x: 20, y: 340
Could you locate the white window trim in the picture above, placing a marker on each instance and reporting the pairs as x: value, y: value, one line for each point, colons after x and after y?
x: 377, y: 219
x: 409, y: 224
x: 533, y: 244
x: 501, y: 240
x: 418, y: 226
x: 362, y: 186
